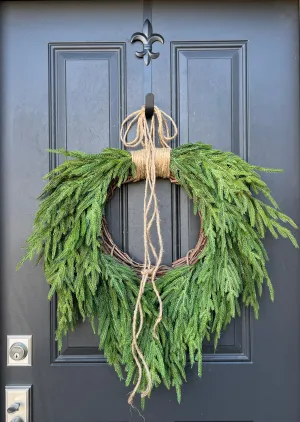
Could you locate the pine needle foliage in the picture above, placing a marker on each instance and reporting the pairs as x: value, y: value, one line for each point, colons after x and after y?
x: 200, y: 300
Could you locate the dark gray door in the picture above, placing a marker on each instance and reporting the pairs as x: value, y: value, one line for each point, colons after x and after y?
x: 228, y: 72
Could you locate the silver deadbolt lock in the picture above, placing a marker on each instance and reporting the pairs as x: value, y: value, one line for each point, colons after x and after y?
x: 18, y: 351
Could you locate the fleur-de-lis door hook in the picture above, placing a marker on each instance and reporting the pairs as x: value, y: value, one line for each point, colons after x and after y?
x: 147, y: 38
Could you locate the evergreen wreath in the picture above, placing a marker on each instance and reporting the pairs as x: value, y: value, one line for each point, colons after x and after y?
x: 199, y: 298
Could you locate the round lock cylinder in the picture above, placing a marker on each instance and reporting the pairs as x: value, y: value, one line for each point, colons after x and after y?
x: 18, y: 351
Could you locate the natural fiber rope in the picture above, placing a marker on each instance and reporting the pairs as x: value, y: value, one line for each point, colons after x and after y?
x: 162, y: 163
x: 147, y: 163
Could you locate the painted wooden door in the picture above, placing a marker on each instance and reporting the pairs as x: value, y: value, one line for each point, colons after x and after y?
x: 229, y: 75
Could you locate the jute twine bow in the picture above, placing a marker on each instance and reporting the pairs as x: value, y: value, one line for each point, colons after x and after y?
x: 150, y: 163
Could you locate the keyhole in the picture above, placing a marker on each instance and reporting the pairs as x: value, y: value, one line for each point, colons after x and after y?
x: 16, y: 356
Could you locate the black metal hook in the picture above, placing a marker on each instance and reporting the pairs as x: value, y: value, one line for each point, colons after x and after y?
x: 149, y: 105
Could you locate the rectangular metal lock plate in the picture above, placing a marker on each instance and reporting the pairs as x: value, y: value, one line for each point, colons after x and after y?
x: 18, y: 403
x: 19, y: 350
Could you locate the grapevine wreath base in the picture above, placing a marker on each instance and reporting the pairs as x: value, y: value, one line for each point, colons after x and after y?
x: 110, y: 247
x: 151, y: 318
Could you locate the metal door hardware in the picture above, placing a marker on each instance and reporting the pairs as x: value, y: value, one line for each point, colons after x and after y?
x: 19, y: 350
x: 18, y: 403
x: 149, y: 105
x: 147, y: 38
x: 13, y: 408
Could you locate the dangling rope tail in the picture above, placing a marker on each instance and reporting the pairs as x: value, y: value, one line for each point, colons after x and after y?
x: 149, y: 163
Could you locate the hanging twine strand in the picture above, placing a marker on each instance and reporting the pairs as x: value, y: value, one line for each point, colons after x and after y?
x: 150, y: 163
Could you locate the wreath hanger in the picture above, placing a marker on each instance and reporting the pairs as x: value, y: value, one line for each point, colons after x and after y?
x: 149, y: 105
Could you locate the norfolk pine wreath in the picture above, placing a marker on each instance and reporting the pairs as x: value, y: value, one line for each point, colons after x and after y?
x: 199, y: 297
